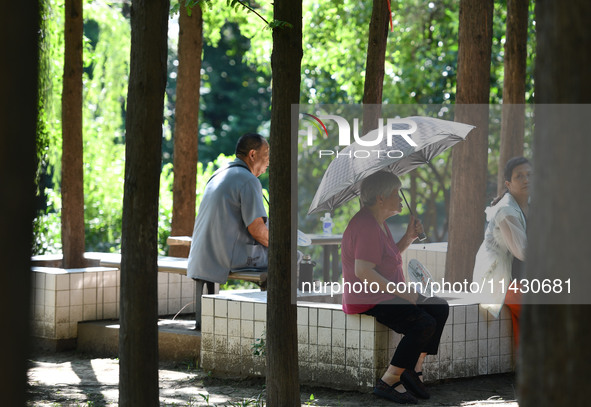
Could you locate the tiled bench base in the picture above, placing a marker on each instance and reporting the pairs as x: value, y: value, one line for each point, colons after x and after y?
x: 63, y: 297
x: 348, y: 351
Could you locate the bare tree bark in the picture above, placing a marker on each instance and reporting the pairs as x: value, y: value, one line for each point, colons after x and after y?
x: 18, y: 119
x: 72, y: 170
x: 513, y: 113
x: 469, y: 163
x: 374, y: 67
x: 283, y: 388
x: 556, y: 338
x: 138, y: 336
x: 186, y: 125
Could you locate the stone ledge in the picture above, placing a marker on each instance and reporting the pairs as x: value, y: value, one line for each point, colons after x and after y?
x: 61, y: 298
x: 349, y: 351
x: 177, y: 341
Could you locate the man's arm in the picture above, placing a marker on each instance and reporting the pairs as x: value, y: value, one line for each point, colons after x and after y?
x: 258, y: 230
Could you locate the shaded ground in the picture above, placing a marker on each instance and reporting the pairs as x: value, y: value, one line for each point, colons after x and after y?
x: 72, y: 379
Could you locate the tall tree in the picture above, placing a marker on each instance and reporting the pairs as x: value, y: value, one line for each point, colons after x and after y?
x: 556, y: 338
x: 513, y: 113
x: 374, y: 67
x: 18, y: 118
x: 72, y: 171
x: 469, y: 162
x: 282, y: 348
x: 187, y: 124
x: 138, y: 337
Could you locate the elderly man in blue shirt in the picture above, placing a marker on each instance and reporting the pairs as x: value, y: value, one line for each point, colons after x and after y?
x: 230, y: 231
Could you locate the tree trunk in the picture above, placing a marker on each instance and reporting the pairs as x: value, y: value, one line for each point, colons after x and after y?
x: 513, y: 114
x: 138, y: 337
x: 374, y: 68
x: 72, y: 171
x: 556, y: 338
x: 469, y: 165
x: 186, y: 125
x: 282, y: 349
x: 18, y: 119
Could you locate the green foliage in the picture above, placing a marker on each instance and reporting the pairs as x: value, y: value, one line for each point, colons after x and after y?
x: 106, y: 57
x: 165, y: 207
x: 259, y: 347
x: 51, y: 56
x: 47, y: 238
x: 280, y: 24
x: 237, y: 4
x: 235, y: 98
x: 105, y: 86
x: 236, y: 94
x: 216, y: 13
x: 335, y: 44
x: 420, y: 56
x: 420, y: 70
x: 47, y: 233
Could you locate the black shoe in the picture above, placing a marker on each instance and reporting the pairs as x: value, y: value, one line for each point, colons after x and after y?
x: 412, y: 382
x: 390, y: 393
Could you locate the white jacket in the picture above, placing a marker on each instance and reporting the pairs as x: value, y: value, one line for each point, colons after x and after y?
x: 504, y: 238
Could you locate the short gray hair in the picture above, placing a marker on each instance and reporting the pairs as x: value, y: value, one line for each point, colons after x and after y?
x: 249, y: 141
x: 381, y: 183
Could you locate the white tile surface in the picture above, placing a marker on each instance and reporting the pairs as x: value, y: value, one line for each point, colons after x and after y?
x: 247, y: 311
x: 234, y: 309
x: 220, y: 308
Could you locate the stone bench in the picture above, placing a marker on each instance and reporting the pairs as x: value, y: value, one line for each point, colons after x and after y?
x: 62, y: 298
x: 348, y: 351
x: 178, y: 265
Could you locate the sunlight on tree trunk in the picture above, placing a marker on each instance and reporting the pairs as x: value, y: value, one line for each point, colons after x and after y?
x: 186, y: 125
x: 138, y: 336
x: 469, y: 158
x: 374, y: 67
x: 72, y: 171
x: 556, y: 338
x: 283, y: 388
x: 18, y: 119
x: 513, y: 114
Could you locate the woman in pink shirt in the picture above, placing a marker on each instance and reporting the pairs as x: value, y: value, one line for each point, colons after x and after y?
x: 374, y: 285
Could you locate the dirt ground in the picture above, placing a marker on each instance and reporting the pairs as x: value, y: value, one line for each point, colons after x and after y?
x: 73, y: 379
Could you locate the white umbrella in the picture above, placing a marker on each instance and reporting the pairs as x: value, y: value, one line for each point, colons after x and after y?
x: 342, y: 179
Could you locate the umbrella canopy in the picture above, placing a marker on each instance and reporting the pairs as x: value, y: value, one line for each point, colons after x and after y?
x: 408, y: 148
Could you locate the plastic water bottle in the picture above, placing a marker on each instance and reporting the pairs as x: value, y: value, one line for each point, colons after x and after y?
x: 327, y: 224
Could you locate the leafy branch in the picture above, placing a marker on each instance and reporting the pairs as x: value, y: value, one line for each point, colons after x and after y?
x: 235, y: 4
x: 279, y: 24
x: 273, y: 24
x: 189, y: 4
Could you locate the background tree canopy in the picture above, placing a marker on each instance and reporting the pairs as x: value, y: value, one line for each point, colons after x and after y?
x: 420, y: 69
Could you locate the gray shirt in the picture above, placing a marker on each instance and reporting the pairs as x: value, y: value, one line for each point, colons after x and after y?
x: 231, y: 201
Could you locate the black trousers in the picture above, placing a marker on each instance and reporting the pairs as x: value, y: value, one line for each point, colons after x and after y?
x: 421, y: 324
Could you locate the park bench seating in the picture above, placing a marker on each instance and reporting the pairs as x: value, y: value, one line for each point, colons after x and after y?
x: 178, y: 265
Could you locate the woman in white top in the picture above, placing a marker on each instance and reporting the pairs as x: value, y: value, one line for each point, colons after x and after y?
x: 502, y: 252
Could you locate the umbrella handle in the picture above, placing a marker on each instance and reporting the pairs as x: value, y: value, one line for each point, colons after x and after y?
x: 422, y: 236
